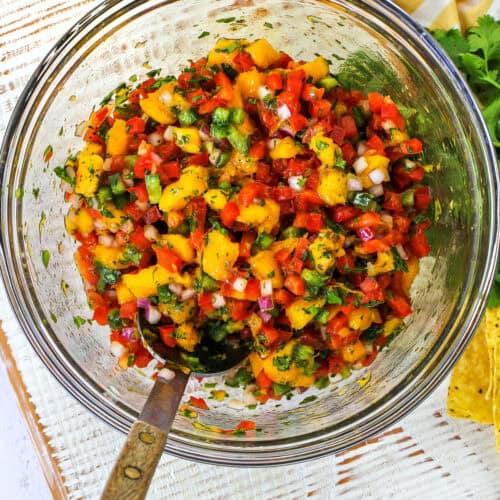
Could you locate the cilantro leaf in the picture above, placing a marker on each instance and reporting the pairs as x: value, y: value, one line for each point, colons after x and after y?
x: 453, y: 43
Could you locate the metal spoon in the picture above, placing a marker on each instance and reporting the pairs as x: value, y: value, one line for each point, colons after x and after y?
x: 134, y: 468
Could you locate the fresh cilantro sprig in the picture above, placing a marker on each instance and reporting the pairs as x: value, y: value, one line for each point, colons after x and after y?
x: 477, y: 55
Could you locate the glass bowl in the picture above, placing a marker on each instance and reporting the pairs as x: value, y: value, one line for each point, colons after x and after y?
x: 372, y: 45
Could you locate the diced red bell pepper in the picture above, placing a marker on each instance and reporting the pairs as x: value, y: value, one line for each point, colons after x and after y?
x: 375, y: 101
x: 392, y: 202
x: 205, y: 302
x: 298, y: 122
x: 376, y: 143
x: 239, y: 309
x: 294, y: 82
x: 422, y: 198
x: 250, y: 191
x: 140, y: 192
x: 152, y: 215
x: 295, y: 284
x: 138, y: 239
x: 246, y: 425
x: 223, y: 82
x: 128, y: 310
x: 418, y: 244
x: 135, y: 125
x: 283, y: 297
x: 166, y: 335
x: 229, y: 213
x: 243, y: 62
x: 344, y: 213
x: 399, y: 305
x: 246, y: 242
x: 258, y: 150
x: 312, y: 222
x: 198, y: 403
x: 263, y: 381
x: 168, y: 259
x: 348, y: 123
x: 335, y: 364
x: 274, y: 80
x: 101, y: 315
x: 211, y: 104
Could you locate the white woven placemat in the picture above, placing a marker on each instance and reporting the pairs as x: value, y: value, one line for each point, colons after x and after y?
x: 427, y: 455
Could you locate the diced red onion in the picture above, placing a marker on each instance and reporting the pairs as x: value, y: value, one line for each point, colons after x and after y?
x: 296, y: 182
x: 151, y: 233
x: 301, y: 389
x: 377, y: 176
x: 360, y: 165
x: 152, y: 315
x: 265, y: 303
x: 377, y: 190
x: 155, y: 139
x: 365, y: 233
x: 263, y: 91
x: 187, y: 294
x: 362, y: 148
x: 117, y: 349
x: 402, y: 251
x: 283, y: 112
x: 204, y: 133
x: 127, y: 333
x: 266, y: 288
x: 240, y: 284
x: 218, y: 300
x: 143, y: 303
x: 175, y: 288
x: 354, y: 184
x: 106, y: 240
x: 168, y: 135
x: 265, y: 316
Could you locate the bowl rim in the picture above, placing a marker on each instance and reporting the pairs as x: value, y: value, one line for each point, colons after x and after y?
x: 312, y: 445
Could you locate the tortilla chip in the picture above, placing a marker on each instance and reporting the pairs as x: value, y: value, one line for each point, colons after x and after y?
x: 470, y: 381
x: 492, y: 319
x: 493, y: 325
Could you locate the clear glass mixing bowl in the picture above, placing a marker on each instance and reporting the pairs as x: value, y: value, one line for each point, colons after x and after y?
x: 372, y: 45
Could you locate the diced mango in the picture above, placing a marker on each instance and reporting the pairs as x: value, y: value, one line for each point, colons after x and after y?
x: 254, y: 322
x: 390, y: 325
x: 110, y: 257
x: 316, y: 69
x: 325, y: 248
x: 179, y: 312
x: 294, y: 376
x: 117, y: 218
x: 353, y: 352
x: 219, y: 255
x: 216, y: 199
x: 288, y: 244
x: 375, y: 162
x: 187, y: 337
x: 123, y: 294
x: 239, y: 166
x: 383, y: 264
x: 192, y: 182
x: 326, y: 150
x: 332, y: 187
x: 117, y: 140
x: 79, y: 220
x: 285, y: 148
x: 263, y: 53
x: 180, y: 245
x: 249, y: 82
x: 300, y: 312
x: 88, y: 174
x: 361, y: 318
x: 159, y: 105
x: 263, y: 217
x: 408, y: 277
x: 146, y: 282
x: 221, y: 52
x: 264, y: 266
x: 397, y: 137
x: 188, y: 139
x: 247, y: 127
x: 91, y: 148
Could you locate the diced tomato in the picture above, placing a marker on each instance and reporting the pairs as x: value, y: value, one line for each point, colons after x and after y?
x: 298, y: 122
x: 399, y: 304
x: 338, y: 134
x: 422, y: 198
x: 252, y: 291
x: 366, y: 219
x: 168, y: 259
x: 336, y: 324
x: 198, y: 403
x: 294, y: 82
x: 374, y: 246
x: 211, y: 104
x: 140, y: 192
x: 406, y: 148
x: 229, y: 213
x: 283, y: 255
x: 375, y: 101
x: 169, y: 171
x: 89, y: 241
x: 282, y: 193
x: 146, y: 258
x: 345, y: 263
x: 401, y: 223
x: 143, y: 165
x: 168, y: 151
x: 138, y: 239
x: 128, y: 310
x: 142, y: 357
x: 371, y: 290
x: 263, y: 381
x: 225, y: 86
x: 389, y: 111
x: 205, y: 302
x: 136, y: 125
x: 282, y: 61
x: 295, y: 284
x: 239, y: 309
x: 313, y: 222
x: 348, y: 123
x: 166, y: 335
x: 243, y: 62
x: 293, y: 265
x: 199, y: 159
x: 283, y: 297
x: 84, y: 260
x: 376, y: 143
x: 335, y: 364
x: 250, y: 191
x: 344, y: 213
x: 268, y: 335
x: 392, y: 201
x: 246, y: 425
x: 418, y: 244
x: 274, y: 81
x: 258, y: 150
x: 246, y: 242
x: 320, y: 108
x: 197, y: 97
x: 152, y: 215
x: 101, y: 315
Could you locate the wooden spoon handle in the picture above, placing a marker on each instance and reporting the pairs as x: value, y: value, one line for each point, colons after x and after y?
x: 134, y: 468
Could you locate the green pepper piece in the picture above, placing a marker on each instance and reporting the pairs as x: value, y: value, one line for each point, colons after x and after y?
x: 238, y: 140
x: 153, y: 187
x: 187, y: 117
x: 219, y: 131
x: 104, y: 194
x: 237, y: 115
x: 408, y: 198
x: 264, y: 241
x: 328, y: 83
x: 130, y: 161
x: 220, y: 116
x: 116, y: 183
